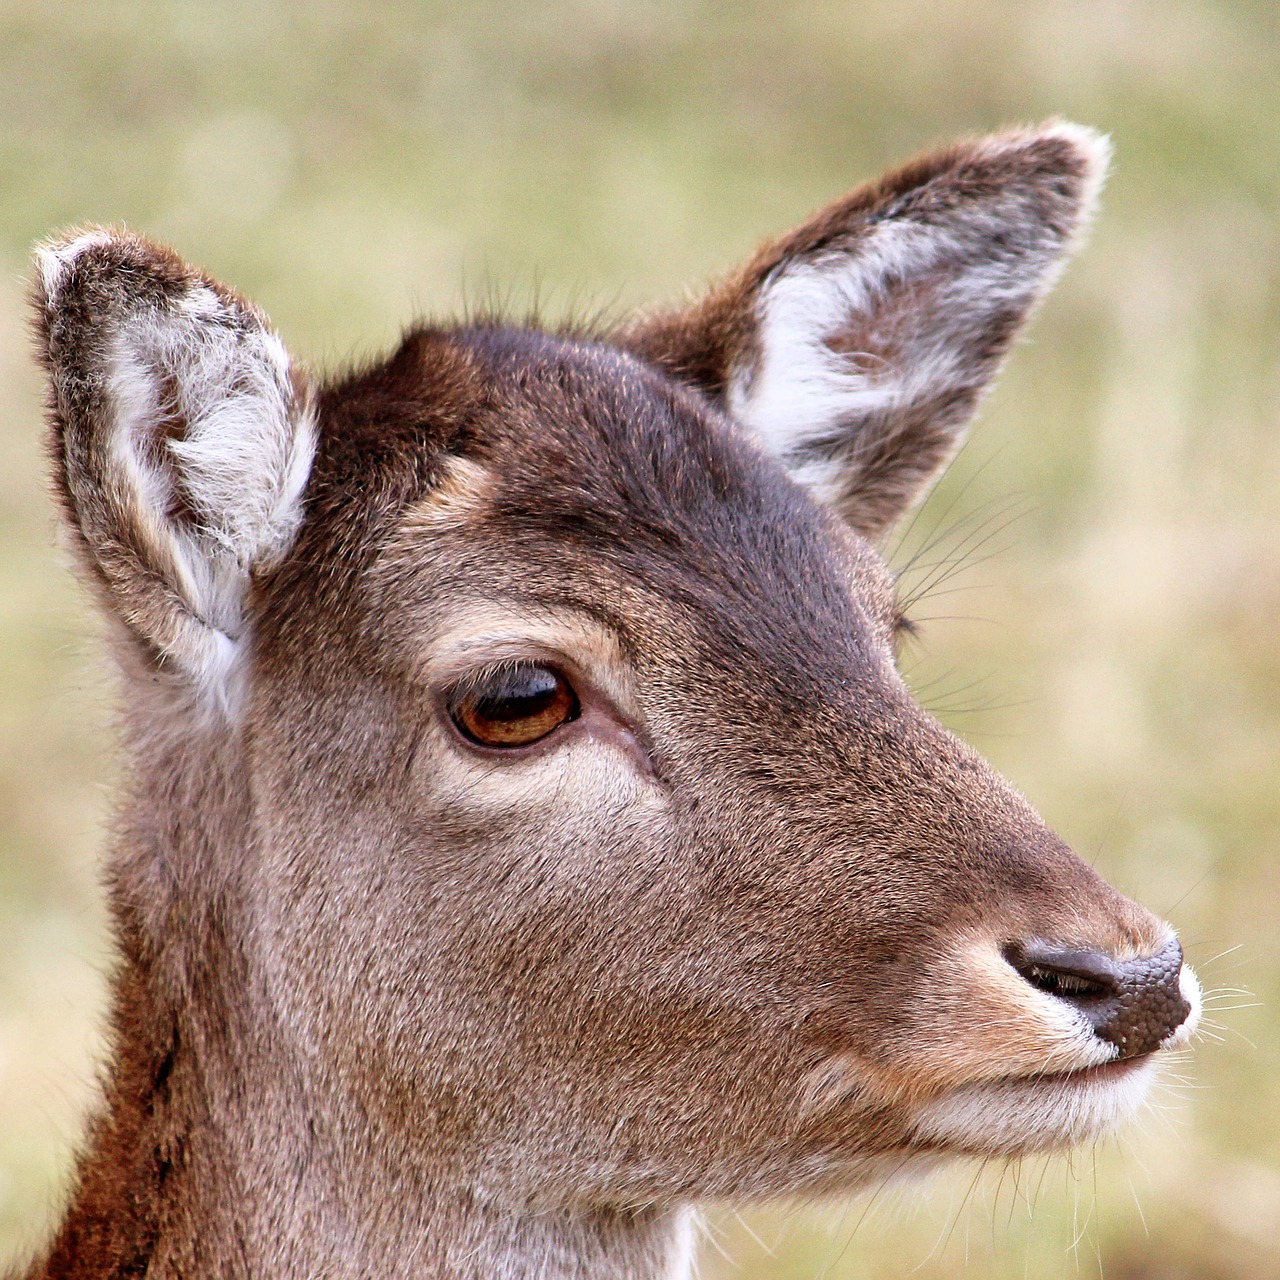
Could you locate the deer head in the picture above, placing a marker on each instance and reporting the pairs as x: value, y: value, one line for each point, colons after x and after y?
x: 529, y: 832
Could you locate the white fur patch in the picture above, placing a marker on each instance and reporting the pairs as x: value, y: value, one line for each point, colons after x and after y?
x: 1189, y: 988
x: 223, y: 495
x: 1007, y: 1117
x: 684, y: 1238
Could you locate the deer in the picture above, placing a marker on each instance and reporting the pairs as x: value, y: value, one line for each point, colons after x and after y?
x: 526, y: 835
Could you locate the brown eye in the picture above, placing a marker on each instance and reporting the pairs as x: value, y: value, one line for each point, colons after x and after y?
x: 513, y: 706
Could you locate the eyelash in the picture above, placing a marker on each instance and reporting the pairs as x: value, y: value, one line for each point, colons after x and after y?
x: 905, y: 629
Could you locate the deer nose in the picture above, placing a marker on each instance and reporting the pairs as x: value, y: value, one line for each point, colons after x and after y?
x: 1133, y: 1004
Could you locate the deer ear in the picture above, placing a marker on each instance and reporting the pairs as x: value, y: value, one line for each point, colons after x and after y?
x: 857, y: 347
x: 182, y: 441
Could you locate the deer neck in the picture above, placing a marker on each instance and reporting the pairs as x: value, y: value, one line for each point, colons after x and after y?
x: 222, y: 1149
x: 197, y: 1168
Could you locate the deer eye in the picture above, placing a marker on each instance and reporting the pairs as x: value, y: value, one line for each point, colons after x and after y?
x: 513, y: 706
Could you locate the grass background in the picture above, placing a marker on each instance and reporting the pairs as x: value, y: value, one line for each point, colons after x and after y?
x: 1117, y: 656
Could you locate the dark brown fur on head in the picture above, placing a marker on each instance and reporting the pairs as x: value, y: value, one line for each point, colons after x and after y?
x: 747, y: 922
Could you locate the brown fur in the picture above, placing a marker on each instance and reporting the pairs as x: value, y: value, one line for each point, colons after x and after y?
x: 387, y: 1006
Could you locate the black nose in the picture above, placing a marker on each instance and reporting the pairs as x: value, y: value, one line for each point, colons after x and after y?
x: 1132, y: 1004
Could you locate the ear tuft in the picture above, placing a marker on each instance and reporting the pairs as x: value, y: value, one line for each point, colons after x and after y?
x: 56, y: 260
x: 857, y: 347
x: 1085, y: 147
x: 183, y: 436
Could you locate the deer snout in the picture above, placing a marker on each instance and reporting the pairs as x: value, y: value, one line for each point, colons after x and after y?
x: 1135, y: 1004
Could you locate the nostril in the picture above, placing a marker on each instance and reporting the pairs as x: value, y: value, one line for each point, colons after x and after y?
x: 1133, y: 1004
x: 1070, y: 972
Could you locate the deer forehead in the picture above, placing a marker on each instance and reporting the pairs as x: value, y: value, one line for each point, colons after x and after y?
x: 595, y: 479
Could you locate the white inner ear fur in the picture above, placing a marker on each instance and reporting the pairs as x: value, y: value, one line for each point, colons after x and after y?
x: 802, y: 389
x: 925, y: 292
x: 237, y: 471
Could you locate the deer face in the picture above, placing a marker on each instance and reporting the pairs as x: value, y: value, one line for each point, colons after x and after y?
x: 599, y: 852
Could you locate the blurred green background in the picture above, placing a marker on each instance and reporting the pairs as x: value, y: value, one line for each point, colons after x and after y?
x: 350, y: 166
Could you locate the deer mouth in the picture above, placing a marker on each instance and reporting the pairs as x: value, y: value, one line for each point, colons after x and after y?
x: 1102, y: 1072
x: 1019, y: 1115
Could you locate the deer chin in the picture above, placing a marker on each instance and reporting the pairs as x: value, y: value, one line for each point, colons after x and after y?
x: 1021, y: 1115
